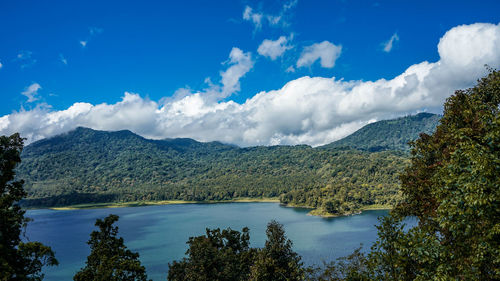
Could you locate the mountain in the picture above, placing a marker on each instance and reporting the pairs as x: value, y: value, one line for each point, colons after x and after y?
x: 90, y: 166
x: 389, y: 134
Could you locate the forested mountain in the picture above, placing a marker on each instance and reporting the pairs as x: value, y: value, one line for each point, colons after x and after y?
x: 390, y: 134
x: 89, y: 166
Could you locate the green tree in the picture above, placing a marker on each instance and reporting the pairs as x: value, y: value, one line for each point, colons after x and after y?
x: 18, y: 260
x: 452, y: 187
x: 109, y: 258
x: 218, y: 255
x: 331, y: 206
x: 277, y: 260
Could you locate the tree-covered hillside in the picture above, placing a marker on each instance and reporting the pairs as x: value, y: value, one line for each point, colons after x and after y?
x: 390, y: 134
x: 89, y: 166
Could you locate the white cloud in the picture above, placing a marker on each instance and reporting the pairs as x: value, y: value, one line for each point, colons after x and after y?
x: 93, y: 31
x: 273, y: 20
x: 258, y: 18
x: 290, y: 5
x: 390, y: 43
x: 25, y: 59
x: 274, y: 49
x: 31, y: 92
x: 312, y: 110
x: 240, y: 63
x: 290, y: 69
x: 1, y: 65
x: 325, y: 51
x: 24, y: 55
x: 62, y: 59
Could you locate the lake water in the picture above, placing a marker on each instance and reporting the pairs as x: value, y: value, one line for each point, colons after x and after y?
x: 159, y: 233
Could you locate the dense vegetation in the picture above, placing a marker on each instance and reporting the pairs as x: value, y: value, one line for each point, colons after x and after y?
x: 226, y: 256
x: 88, y: 166
x: 452, y: 187
x: 352, y: 179
x: 18, y: 260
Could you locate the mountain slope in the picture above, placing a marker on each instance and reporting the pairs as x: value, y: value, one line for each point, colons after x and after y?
x: 89, y: 166
x: 389, y: 134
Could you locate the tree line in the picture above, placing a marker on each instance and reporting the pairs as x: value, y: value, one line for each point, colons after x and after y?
x: 135, y: 169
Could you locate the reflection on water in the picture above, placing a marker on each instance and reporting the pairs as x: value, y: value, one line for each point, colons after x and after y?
x: 159, y: 233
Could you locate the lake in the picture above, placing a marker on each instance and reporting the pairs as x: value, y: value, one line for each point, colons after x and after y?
x: 159, y: 233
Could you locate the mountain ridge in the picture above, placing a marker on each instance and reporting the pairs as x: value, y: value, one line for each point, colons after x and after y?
x: 375, y: 137
x: 91, y: 166
x: 429, y: 122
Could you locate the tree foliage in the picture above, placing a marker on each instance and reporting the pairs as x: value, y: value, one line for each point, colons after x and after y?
x: 219, y: 255
x: 18, y: 260
x: 277, y: 261
x: 226, y: 255
x: 452, y: 187
x: 109, y: 258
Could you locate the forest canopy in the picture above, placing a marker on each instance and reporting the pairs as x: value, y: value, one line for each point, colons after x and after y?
x: 88, y: 166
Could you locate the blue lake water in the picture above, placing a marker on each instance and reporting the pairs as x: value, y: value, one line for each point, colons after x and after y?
x: 159, y: 233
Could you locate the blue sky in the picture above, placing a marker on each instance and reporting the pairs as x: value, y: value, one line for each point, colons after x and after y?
x: 54, y: 54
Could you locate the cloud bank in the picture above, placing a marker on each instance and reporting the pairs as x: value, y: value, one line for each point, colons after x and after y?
x: 310, y: 110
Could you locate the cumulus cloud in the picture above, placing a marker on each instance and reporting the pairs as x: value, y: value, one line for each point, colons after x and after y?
x: 311, y: 110
x: 240, y: 63
x: 390, y: 43
x: 325, y: 51
x: 274, y: 49
x: 31, y: 92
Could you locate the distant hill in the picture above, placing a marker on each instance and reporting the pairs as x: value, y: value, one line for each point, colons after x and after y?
x: 90, y: 166
x: 389, y: 134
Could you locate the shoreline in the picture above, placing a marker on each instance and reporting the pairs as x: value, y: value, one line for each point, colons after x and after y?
x: 320, y: 213
x: 317, y: 212
x: 156, y: 203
